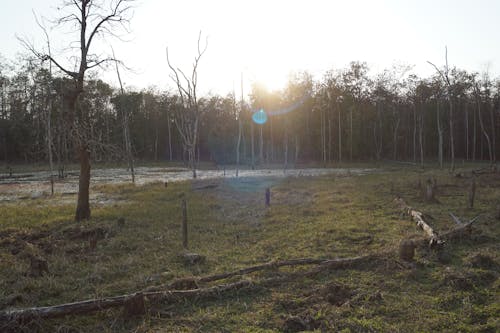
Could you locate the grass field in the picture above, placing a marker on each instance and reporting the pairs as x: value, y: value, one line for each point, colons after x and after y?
x: 456, y: 289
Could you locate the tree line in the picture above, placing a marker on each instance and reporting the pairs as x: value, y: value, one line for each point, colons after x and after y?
x: 349, y: 114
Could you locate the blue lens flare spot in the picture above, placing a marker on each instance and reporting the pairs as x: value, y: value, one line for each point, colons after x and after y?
x: 259, y: 117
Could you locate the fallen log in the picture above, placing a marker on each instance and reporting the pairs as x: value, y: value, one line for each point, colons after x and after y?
x: 418, y: 218
x: 169, y: 296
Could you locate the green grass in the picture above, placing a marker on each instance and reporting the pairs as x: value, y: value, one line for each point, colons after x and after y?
x: 320, y: 217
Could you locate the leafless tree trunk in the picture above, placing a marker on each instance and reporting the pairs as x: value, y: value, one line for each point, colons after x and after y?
x: 297, y: 148
x: 474, y: 134
x: 50, y: 106
x: 493, y: 134
x: 440, y: 134
x: 169, y: 137
x: 261, y: 146
x: 323, y: 136
x: 125, y: 125
x: 253, y: 143
x: 445, y: 77
x: 483, y: 129
x: 91, y: 20
x: 340, y: 132
x: 285, y: 139
x: 351, y: 136
x: 395, y: 135
x: 240, y: 125
x: 466, y: 111
x: 188, y: 118
x: 329, y: 137
x: 421, y: 138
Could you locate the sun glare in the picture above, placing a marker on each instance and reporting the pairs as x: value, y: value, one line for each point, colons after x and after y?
x: 271, y: 78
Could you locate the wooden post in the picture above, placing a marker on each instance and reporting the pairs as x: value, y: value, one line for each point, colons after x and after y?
x: 406, y: 250
x: 268, y: 197
x: 429, y: 191
x: 184, y: 224
x: 472, y: 191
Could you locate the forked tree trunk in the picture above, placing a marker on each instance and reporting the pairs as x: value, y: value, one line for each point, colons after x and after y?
x: 483, y: 129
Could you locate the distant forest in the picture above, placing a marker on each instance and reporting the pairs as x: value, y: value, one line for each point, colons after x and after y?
x: 350, y: 114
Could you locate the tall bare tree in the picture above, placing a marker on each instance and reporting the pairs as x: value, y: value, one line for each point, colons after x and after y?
x: 93, y: 19
x: 187, y: 118
x: 449, y: 96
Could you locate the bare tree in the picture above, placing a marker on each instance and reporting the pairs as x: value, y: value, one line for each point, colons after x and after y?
x: 125, y: 125
x: 240, y: 128
x: 188, y: 116
x: 92, y: 19
x: 446, y: 78
x: 477, y: 94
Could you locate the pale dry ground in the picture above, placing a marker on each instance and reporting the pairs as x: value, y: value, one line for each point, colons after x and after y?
x: 24, y: 187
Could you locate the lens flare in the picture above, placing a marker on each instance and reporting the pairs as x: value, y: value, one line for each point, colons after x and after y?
x: 259, y: 117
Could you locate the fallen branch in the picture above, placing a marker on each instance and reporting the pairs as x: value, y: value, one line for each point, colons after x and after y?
x: 418, y: 218
x: 461, y: 228
x: 170, y: 296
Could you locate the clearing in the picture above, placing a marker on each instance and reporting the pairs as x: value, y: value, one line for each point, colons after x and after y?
x: 133, y: 244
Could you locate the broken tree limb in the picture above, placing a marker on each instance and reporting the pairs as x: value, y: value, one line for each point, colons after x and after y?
x: 418, y: 218
x: 94, y: 305
x: 261, y: 267
x: 461, y: 228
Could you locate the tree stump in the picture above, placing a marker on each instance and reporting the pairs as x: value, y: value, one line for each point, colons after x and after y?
x: 134, y: 306
x: 92, y: 242
x: 406, y: 250
x: 184, y: 224
x: 38, y: 266
x: 472, y: 191
x: 268, y: 197
x: 190, y: 258
x: 430, y: 190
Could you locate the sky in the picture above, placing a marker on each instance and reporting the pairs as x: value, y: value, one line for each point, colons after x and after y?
x: 265, y: 41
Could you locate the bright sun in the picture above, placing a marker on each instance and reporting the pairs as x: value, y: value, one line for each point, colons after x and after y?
x: 272, y: 79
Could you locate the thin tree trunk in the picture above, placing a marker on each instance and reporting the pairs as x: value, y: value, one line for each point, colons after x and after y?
x: 83, y: 207
x: 414, y: 134
x: 493, y: 134
x: 340, y: 133
x: 285, y: 166
x: 297, y: 147
x: 466, y: 131
x: 395, y: 138
x: 329, y: 137
x: 169, y: 138
x: 440, y: 135
x: 261, y: 146
x: 323, y: 137
x: 474, y: 138
x: 252, y: 138
x: 351, y: 138
x: 452, y: 142
x: 125, y: 124
x: 421, y: 139
x: 483, y: 129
